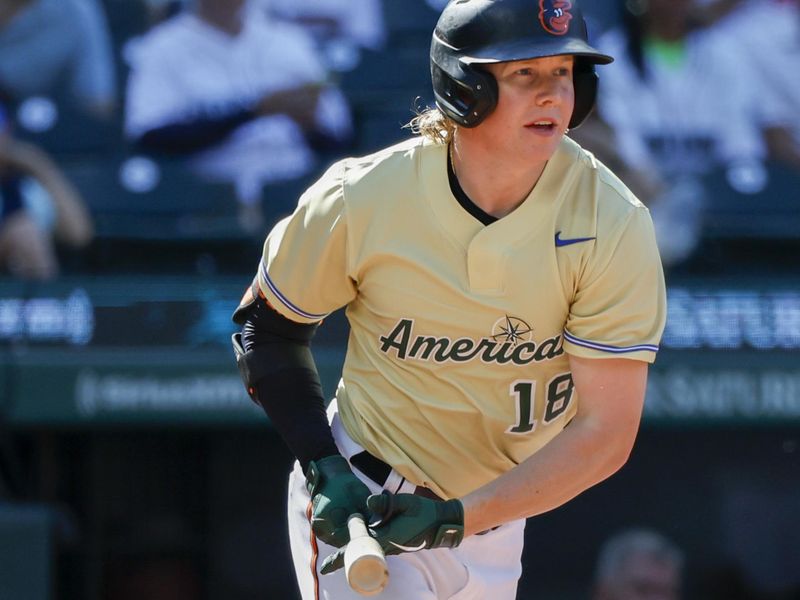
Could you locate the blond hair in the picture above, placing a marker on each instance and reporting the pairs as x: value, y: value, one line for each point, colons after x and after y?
x: 433, y: 124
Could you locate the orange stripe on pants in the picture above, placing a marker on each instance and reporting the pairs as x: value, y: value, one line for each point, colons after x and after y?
x: 314, y: 553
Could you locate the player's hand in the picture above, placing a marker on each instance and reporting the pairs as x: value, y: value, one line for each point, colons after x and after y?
x: 336, y: 493
x: 409, y: 523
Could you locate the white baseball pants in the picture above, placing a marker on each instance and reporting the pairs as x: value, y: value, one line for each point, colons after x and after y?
x: 482, y: 567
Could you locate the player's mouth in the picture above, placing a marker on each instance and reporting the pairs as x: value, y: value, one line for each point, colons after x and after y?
x: 543, y: 126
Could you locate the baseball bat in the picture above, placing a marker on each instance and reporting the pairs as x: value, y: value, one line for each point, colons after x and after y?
x: 364, y: 562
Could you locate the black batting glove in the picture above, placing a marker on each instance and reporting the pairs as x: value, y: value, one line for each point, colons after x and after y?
x: 336, y: 493
x: 409, y: 523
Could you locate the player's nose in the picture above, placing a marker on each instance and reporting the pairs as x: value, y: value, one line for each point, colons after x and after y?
x: 553, y: 90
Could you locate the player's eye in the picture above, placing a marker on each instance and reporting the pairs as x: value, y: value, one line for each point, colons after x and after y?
x: 524, y: 71
x: 564, y: 72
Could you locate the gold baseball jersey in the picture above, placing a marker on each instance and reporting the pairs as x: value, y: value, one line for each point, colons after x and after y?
x: 456, y: 367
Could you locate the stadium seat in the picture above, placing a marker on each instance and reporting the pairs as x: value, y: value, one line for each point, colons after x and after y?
x: 405, y: 73
x: 379, y: 128
x: 753, y: 202
x: 64, y: 130
x: 26, y: 552
x: 135, y: 197
x: 414, y: 15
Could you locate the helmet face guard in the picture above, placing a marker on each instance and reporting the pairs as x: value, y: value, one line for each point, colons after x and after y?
x: 475, y: 32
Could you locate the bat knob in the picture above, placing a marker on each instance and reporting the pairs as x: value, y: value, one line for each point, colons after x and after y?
x: 364, y: 562
x: 367, y: 575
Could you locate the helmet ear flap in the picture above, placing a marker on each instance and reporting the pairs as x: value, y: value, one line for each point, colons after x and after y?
x: 467, y: 100
x: 585, y: 81
x: 463, y: 92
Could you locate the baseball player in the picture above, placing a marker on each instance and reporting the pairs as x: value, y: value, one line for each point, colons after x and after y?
x: 500, y: 284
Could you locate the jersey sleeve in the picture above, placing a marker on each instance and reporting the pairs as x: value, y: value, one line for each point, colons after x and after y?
x: 619, y: 309
x: 304, y: 270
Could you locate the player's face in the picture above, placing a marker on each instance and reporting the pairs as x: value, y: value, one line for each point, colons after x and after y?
x: 535, y: 102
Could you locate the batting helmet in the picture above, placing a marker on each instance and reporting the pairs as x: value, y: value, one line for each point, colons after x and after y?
x: 470, y: 33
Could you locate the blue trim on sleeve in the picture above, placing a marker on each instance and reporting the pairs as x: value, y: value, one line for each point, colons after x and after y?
x: 295, y: 309
x: 606, y: 348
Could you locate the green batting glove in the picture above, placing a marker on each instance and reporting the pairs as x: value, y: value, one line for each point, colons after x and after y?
x: 409, y: 523
x: 336, y: 493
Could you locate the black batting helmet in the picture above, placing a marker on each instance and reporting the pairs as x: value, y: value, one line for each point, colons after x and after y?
x: 474, y: 32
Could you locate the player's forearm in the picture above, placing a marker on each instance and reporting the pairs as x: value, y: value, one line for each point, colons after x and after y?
x: 284, y: 379
x: 578, y: 458
x: 596, y: 443
x: 30, y: 160
x: 194, y: 134
x: 73, y: 224
x: 26, y: 158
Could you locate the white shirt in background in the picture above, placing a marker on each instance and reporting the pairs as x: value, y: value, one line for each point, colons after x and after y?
x: 185, y: 68
x: 682, y: 119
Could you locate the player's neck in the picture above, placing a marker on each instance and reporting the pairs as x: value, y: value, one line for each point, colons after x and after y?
x: 497, y: 184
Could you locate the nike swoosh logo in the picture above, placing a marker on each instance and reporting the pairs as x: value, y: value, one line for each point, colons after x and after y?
x: 410, y: 548
x: 570, y: 241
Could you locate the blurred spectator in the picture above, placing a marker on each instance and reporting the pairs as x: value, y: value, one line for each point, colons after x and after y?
x: 128, y: 19
x: 161, y: 10
x: 595, y: 11
x: 638, y: 564
x: 340, y: 27
x: 768, y: 35
x: 244, y: 97
x: 680, y: 106
x: 58, y: 48
x: 38, y: 207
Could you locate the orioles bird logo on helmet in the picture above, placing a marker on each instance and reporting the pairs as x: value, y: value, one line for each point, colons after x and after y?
x: 554, y: 16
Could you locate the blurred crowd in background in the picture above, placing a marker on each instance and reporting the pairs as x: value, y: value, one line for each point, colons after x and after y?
x: 204, y: 119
